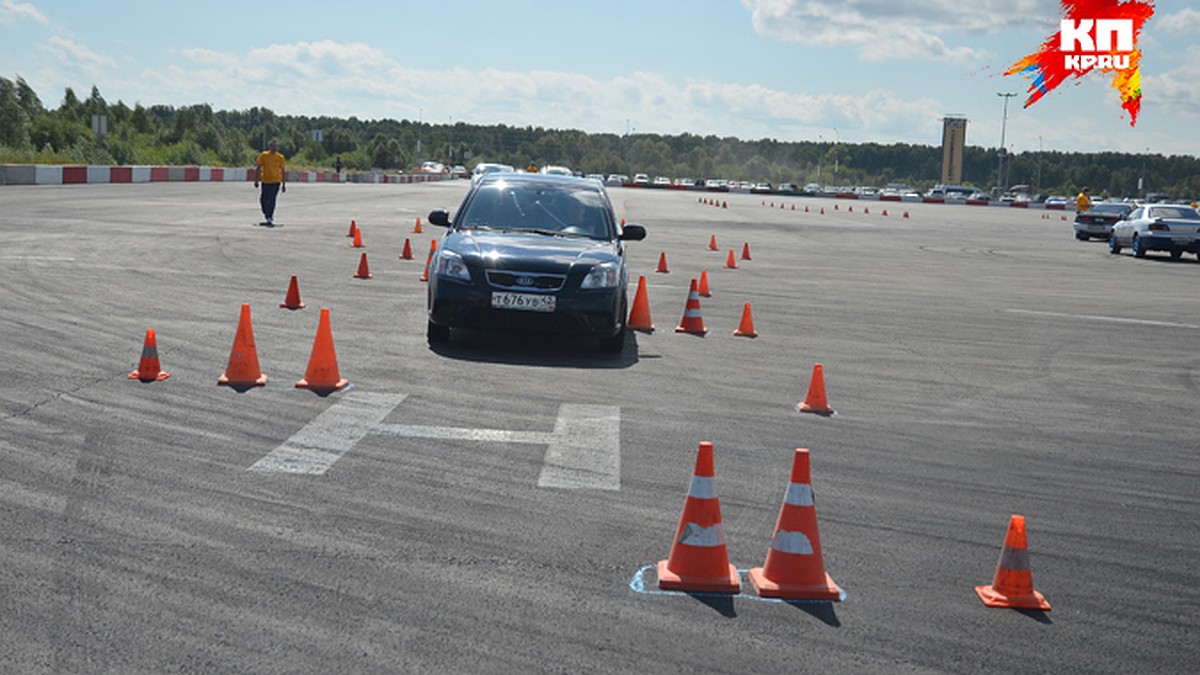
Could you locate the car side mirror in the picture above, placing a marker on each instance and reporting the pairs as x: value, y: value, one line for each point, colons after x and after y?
x: 633, y: 232
x: 439, y: 217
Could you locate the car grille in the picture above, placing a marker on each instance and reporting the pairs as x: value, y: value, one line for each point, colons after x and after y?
x: 526, y: 281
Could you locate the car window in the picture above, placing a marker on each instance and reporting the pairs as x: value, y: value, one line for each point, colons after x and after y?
x: 518, y: 207
x: 1173, y: 212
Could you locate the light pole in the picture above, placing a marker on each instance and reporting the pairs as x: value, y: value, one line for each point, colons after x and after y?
x: 420, y: 111
x: 1038, y: 183
x: 1003, y: 128
x: 837, y: 138
x: 821, y: 140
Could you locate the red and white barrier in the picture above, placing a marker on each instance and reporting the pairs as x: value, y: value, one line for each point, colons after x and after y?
x: 46, y: 174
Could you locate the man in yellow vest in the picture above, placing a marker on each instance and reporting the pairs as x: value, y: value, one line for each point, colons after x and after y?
x: 1084, y: 201
x: 271, y: 174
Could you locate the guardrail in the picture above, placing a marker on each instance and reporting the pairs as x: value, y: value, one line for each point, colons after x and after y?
x: 47, y: 174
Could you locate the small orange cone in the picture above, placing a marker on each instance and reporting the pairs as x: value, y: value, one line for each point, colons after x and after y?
x: 417, y: 227
x: 322, y: 375
x: 724, y: 205
x: 242, y: 371
x: 292, y: 300
x: 353, y: 229
x: 148, y: 369
x: 867, y: 210
x: 357, y: 238
x: 702, y: 287
x: 712, y: 243
x: 407, y: 253
x: 1012, y: 585
x: 699, y: 558
x: 432, y: 250
x: 822, y: 210
x: 815, y: 401
x: 793, y: 207
x: 639, y: 316
x: 746, y: 328
x: 662, y: 264
x: 806, y: 208
x: 851, y: 209
x: 906, y: 215
x: 364, y: 271
x: 731, y: 262
x: 795, y: 569
x: 885, y: 212
x: 835, y: 207
x: 692, y: 322
x: 746, y: 251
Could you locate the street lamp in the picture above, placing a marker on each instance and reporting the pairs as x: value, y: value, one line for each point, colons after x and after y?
x: 837, y: 138
x: 1003, y: 126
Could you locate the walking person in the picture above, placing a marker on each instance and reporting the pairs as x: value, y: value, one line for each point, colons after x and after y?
x: 1083, y: 202
x: 271, y: 174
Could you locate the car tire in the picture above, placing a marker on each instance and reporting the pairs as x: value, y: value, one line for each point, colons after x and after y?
x: 1081, y: 236
x: 1138, y: 251
x: 1113, y: 247
x: 436, y: 333
x: 614, y: 344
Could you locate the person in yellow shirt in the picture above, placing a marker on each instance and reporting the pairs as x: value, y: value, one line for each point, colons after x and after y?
x: 1084, y: 201
x: 273, y: 178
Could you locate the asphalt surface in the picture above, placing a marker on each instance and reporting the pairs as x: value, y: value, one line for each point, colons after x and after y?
x: 982, y: 363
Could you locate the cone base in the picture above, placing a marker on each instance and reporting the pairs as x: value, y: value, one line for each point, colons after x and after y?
x: 364, y: 276
x: 162, y: 375
x: 816, y: 410
x: 642, y: 329
x: 694, y: 331
x: 322, y: 387
x: 769, y: 589
x: 298, y: 305
x: 993, y: 598
x: 669, y: 581
x: 745, y: 333
x: 224, y: 380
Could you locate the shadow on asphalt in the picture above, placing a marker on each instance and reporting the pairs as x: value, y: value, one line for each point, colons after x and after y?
x: 534, y: 349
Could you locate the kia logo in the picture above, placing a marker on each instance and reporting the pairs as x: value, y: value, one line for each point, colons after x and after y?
x: 524, y: 281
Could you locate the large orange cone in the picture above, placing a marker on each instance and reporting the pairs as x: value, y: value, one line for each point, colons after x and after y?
x: 292, y: 301
x: 1012, y: 585
x: 815, y: 401
x: 712, y: 243
x: 429, y: 260
x: 322, y: 375
x: 746, y: 251
x: 243, y: 372
x: 364, y: 270
x: 731, y: 262
x: 662, y: 264
x: 795, y: 569
x: 692, y: 322
x: 746, y: 328
x: 148, y: 369
x: 353, y: 229
x: 639, y: 316
x: 702, y: 287
x: 407, y: 253
x: 699, y: 559
x: 417, y: 228
x: 357, y: 238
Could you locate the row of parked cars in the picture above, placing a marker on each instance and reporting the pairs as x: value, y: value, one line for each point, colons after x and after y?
x: 1173, y: 228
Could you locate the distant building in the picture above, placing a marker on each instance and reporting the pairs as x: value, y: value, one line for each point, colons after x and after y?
x: 954, y: 139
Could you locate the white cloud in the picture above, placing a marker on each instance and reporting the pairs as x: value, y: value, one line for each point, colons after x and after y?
x: 12, y: 12
x: 1184, y: 22
x: 1176, y: 90
x: 74, y: 55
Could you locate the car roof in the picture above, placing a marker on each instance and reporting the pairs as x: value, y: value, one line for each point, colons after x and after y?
x: 541, y: 179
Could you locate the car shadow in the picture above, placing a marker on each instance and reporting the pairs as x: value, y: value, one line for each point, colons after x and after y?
x: 534, y: 349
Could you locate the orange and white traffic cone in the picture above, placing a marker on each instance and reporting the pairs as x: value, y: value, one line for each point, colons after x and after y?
x: 417, y: 228
x: 712, y: 243
x: 322, y: 375
x: 699, y: 559
x: 242, y: 371
x: 432, y: 250
x: 357, y: 239
x: 815, y: 401
x: 364, y: 270
x: 746, y: 327
x: 407, y: 253
x: 692, y: 322
x: 1012, y: 585
x: 148, y: 369
x: 662, y: 263
x: 292, y: 300
x: 731, y: 261
x: 702, y: 287
x: 639, y: 315
x: 795, y: 568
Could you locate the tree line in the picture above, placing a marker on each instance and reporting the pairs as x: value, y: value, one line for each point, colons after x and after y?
x: 197, y: 135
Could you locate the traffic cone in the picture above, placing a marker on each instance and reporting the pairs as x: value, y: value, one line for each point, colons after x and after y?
x: 662, y: 263
x: 731, y: 262
x: 746, y: 328
x: 292, y: 300
x: 357, y: 238
x: 432, y: 250
x: 699, y: 559
x: 822, y: 210
x: 851, y: 209
x: 885, y: 212
x: 815, y: 401
x: 795, y: 569
x: 806, y: 208
x: 322, y: 375
x: 1012, y: 585
x: 746, y: 251
x: 866, y: 210
x: 712, y: 243
x: 724, y: 205
x: 702, y: 287
x: 692, y: 322
x: 417, y: 227
x: 353, y: 229
x: 364, y: 271
x: 148, y: 369
x: 242, y: 371
x: 639, y: 316
x: 906, y: 215
x: 407, y: 253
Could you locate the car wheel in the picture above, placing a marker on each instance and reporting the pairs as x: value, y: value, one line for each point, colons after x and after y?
x: 1138, y: 251
x: 437, y: 333
x: 614, y: 344
x: 1113, y: 246
x: 1081, y: 236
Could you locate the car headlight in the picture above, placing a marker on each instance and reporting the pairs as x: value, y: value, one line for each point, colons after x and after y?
x: 451, y: 265
x: 604, y: 275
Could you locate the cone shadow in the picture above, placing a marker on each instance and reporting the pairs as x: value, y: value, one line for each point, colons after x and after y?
x: 822, y: 611
x: 1037, y: 615
x: 721, y: 602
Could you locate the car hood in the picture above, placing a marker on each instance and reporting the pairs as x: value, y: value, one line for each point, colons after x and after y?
x: 501, y: 250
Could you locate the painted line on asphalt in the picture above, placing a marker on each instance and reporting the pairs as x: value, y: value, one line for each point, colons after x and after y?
x: 1108, y: 319
x: 333, y: 433
x: 638, y: 585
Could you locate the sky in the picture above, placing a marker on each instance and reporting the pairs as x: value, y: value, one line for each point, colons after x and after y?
x: 855, y: 71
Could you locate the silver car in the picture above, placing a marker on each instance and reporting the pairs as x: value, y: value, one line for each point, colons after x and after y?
x: 1174, y: 228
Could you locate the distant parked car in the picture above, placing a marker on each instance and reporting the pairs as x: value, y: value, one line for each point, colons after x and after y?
x: 1098, y: 221
x: 484, y: 168
x: 1158, y: 227
x: 617, y: 179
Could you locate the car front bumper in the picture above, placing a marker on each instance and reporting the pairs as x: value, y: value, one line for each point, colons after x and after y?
x: 599, y: 312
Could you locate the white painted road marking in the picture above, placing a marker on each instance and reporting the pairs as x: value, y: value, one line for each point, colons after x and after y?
x: 1109, y: 319
x: 323, y: 441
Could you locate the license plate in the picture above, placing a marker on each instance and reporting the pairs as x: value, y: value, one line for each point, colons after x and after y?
x: 523, y: 301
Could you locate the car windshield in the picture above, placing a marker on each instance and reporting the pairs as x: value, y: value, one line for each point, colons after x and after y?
x: 542, y: 209
x: 1173, y: 212
x: 1113, y: 208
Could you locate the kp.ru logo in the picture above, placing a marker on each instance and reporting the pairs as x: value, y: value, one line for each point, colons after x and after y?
x: 1094, y: 34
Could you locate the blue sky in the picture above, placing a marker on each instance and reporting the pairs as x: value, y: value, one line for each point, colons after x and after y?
x: 792, y: 70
